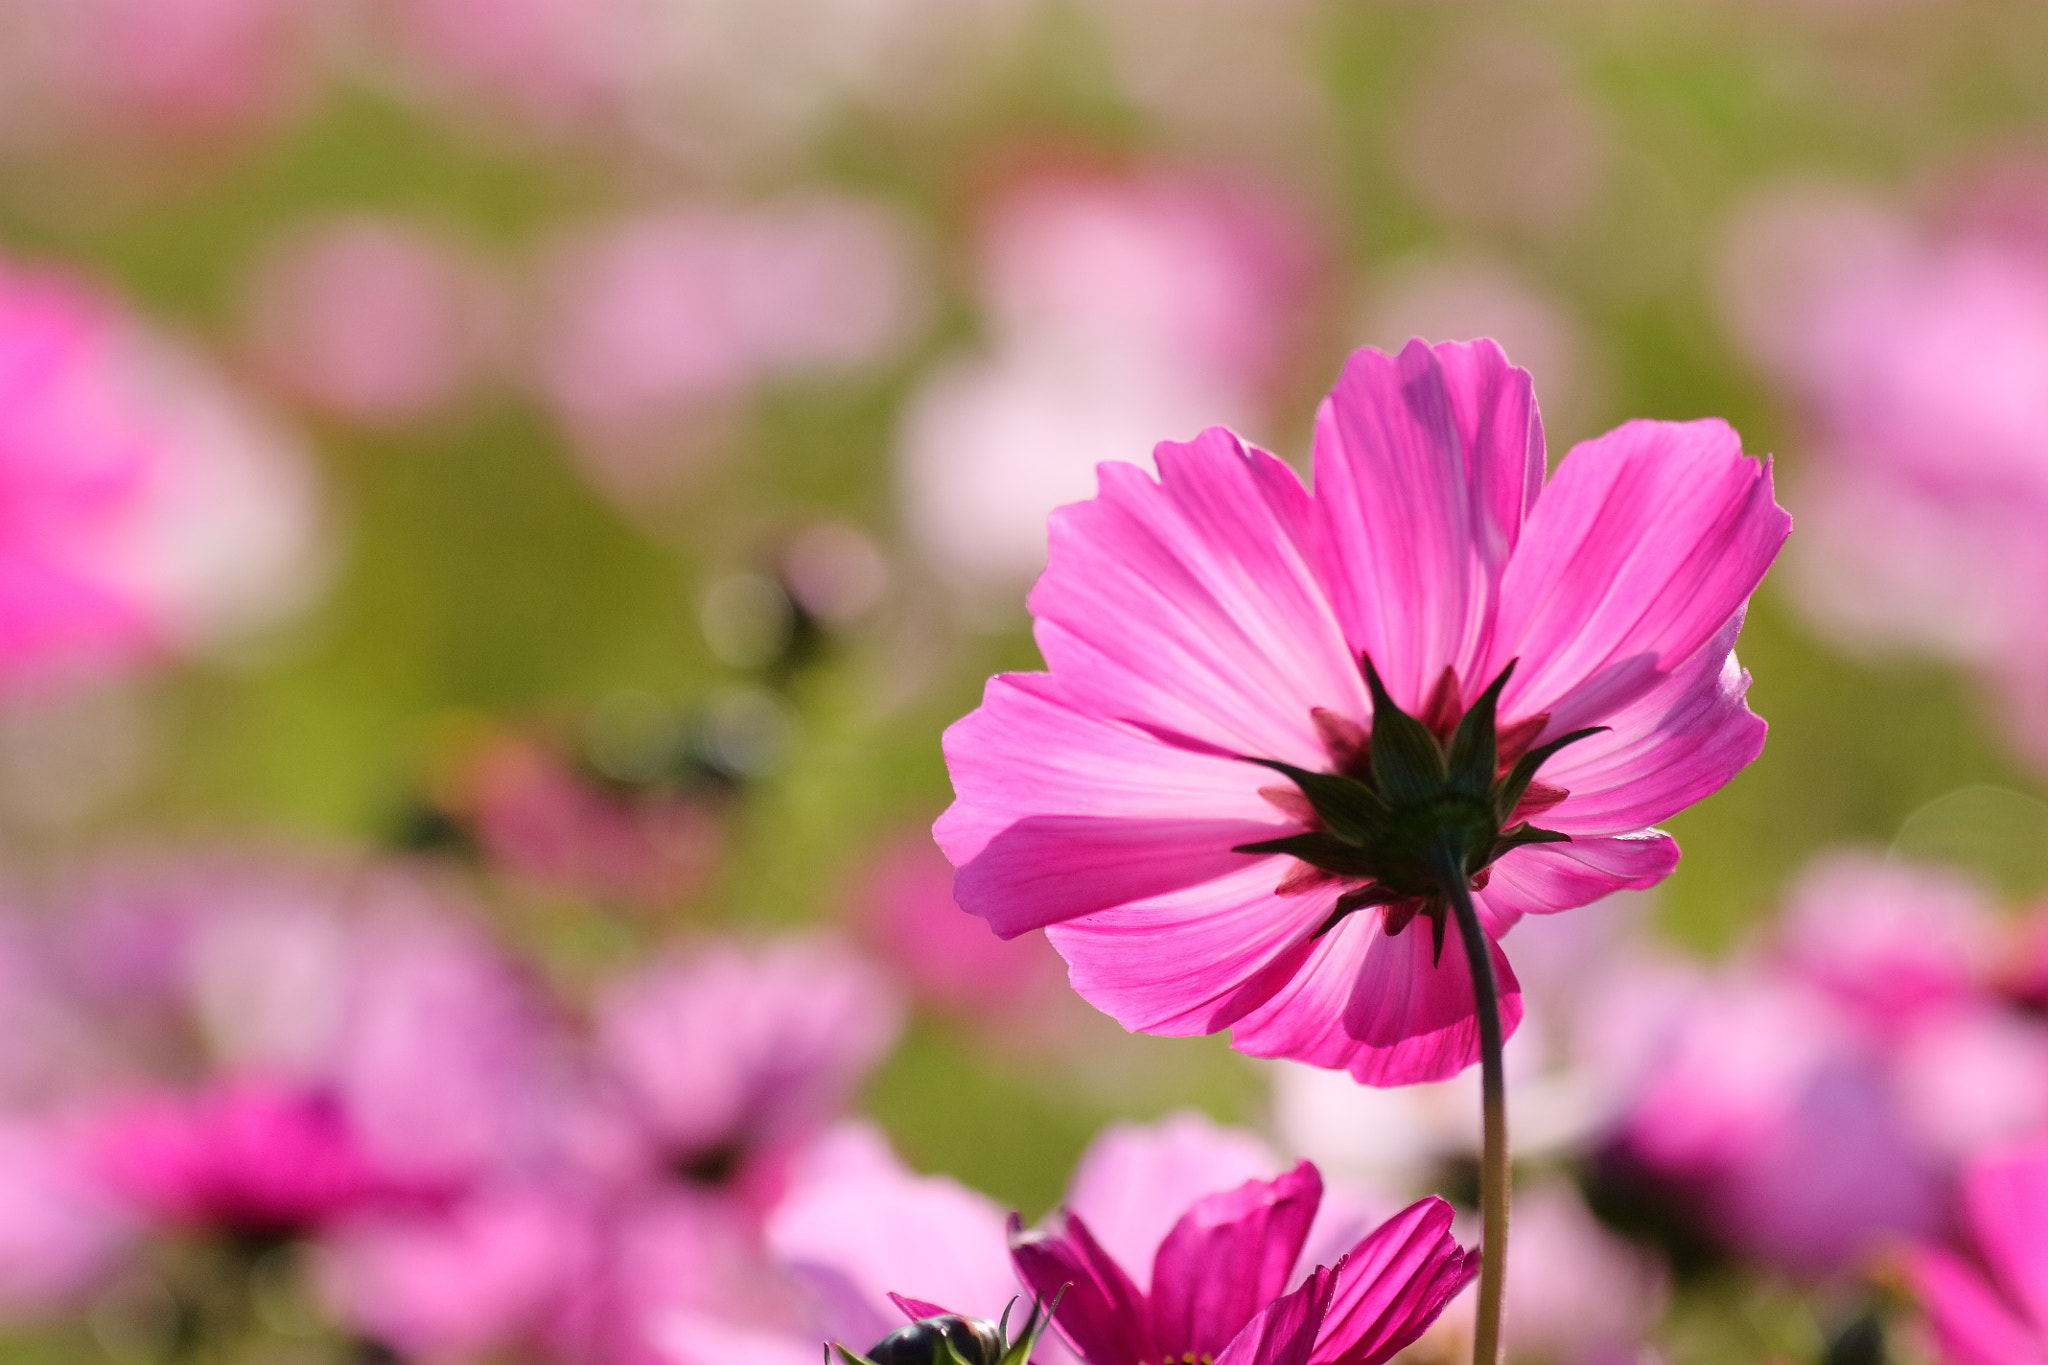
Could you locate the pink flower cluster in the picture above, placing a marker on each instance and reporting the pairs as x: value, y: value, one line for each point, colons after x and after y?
x: 1815, y: 1097
x: 342, y: 1058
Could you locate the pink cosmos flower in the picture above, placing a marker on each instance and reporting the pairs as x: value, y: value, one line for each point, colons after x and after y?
x: 1219, y: 1282
x: 149, y: 510
x: 1990, y: 1306
x: 1220, y: 624
x: 861, y: 1231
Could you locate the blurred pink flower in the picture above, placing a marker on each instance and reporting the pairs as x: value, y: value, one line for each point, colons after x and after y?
x: 538, y: 818
x: 1815, y: 1096
x: 242, y: 1155
x: 1117, y: 309
x: 62, y: 1231
x: 732, y: 1056
x: 149, y: 510
x: 453, y: 1283
x: 659, y: 322
x: 555, y: 66
x: 1989, y: 1304
x: 1888, y: 940
x: 143, y: 71
x: 1220, y: 614
x: 945, y: 958
x: 372, y: 319
x: 1580, y: 1295
x: 1919, y: 354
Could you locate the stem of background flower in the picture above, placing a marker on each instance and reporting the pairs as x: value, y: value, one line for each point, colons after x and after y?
x: 1493, y: 1165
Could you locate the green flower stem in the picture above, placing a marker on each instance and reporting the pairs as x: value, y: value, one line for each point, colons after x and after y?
x: 1493, y: 1166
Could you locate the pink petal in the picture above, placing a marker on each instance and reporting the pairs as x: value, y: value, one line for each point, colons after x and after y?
x: 1189, y: 603
x: 1642, y: 548
x: 1046, y: 869
x: 2005, y: 1199
x: 1227, y: 1258
x: 1971, y: 1323
x: 1425, y: 466
x: 1032, y: 749
x: 1194, y: 961
x: 1393, y: 1285
x: 1679, y: 741
x: 1379, y: 1007
x: 1135, y: 1180
x: 1538, y: 879
x: 1101, y: 1313
x: 1285, y: 1332
x: 863, y: 1220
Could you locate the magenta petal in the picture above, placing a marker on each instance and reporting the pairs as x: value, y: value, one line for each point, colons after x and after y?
x: 2005, y: 1198
x: 1101, y: 1313
x: 1425, y: 465
x: 1392, y: 1286
x: 1135, y: 1180
x: 1189, y: 604
x: 1195, y: 961
x: 1048, y: 868
x: 1645, y: 544
x: 1228, y: 1257
x: 1538, y: 879
x: 1972, y: 1325
x: 1284, y: 1332
x: 1378, y: 1007
x: 1680, y: 741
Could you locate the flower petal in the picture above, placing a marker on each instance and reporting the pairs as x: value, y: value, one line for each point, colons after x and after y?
x: 1136, y: 1179
x: 1197, y: 960
x: 1227, y: 1258
x: 1284, y: 1332
x: 2005, y: 1199
x: 1426, y: 465
x: 1641, y: 549
x: 1378, y: 1006
x: 1061, y: 813
x: 1538, y: 879
x: 1681, y: 740
x: 1189, y: 603
x: 1101, y: 1313
x: 1972, y: 1325
x: 1392, y: 1286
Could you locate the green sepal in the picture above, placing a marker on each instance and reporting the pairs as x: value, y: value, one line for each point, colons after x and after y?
x: 1525, y: 834
x: 1407, y: 761
x: 1475, y: 753
x: 846, y: 1357
x: 1018, y: 1352
x: 1347, y: 807
x: 1509, y: 794
x: 1318, y: 848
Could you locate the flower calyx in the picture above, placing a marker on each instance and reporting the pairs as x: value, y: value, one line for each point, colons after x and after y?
x: 1412, y: 813
x: 941, y: 1338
